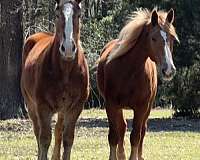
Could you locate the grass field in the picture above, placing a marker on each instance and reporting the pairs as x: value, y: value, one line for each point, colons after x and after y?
x: 167, y: 138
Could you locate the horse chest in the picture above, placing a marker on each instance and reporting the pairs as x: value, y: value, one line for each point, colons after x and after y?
x: 66, y: 96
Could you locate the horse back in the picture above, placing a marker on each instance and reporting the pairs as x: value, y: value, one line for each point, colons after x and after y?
x: 30, y: 43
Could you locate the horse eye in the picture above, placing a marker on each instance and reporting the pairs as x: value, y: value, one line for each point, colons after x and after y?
x: 153, y: 39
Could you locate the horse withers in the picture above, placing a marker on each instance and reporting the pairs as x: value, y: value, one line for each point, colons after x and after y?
x: 55, y: 79
x: 127, y: 75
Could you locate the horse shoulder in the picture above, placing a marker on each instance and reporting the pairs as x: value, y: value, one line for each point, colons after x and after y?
x: 152, y: 73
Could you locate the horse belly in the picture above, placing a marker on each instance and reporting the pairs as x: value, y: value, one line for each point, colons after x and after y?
x: 128, y: 93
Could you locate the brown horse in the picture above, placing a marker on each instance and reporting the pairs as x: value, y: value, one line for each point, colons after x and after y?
x: 55, y: 80
x: 127, y: 75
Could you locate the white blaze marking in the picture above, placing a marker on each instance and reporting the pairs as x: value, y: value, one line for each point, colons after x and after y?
x: 68, y: 30
x: 80, y: 5
x: 68, y: 13
x: 168, y: 55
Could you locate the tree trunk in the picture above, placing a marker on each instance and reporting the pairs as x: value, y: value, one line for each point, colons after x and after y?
x: 33, y: 16
x: 51, y: 15
x: 11, y: 42
x: 86, y: 8
x: 104, y: 10
x: 26, y: 19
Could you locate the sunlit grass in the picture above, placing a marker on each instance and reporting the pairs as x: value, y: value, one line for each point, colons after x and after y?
x: 17, y: 141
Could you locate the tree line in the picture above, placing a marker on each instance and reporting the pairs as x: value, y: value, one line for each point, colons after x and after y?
x: 101, y: 21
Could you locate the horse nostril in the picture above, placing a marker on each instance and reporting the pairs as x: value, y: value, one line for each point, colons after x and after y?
x: 163, y: 71
x: 73, y: 47
x: 174, y: 70
x: 62, y: 48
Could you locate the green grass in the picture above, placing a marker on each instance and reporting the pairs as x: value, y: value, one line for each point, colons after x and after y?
x: 167, y: 139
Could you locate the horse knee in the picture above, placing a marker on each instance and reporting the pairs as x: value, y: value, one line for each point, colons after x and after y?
x: 68, y: 136
x: 144, y: 128
x: 136, y: 134
x: 58, y: 130
x: 68, y: 141
x: 123, y: 127
x: 113, y: 136
x: 45, y: 138
x: 45, y: 135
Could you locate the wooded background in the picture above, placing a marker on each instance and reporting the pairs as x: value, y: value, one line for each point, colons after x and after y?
x: 101, y: 21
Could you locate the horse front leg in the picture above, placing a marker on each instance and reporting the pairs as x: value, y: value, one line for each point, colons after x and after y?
x: 112, y: 135
x: 36, y: 128
x: 121, y: 154
x: 44, y: 119
x: 135, y: 136
x: 143, y: 132
x: 58, y: 137
x: 117, y: 128
x: 70, y: 119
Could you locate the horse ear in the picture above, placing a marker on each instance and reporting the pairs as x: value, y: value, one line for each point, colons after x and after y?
x: 78, y: 1
x: 154, y: 18
x: 170, y: 16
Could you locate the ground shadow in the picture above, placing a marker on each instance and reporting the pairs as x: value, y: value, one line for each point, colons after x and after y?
x: 154, y: 125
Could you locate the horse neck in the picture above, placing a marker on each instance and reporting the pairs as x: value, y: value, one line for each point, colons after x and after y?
x: 138, y: 54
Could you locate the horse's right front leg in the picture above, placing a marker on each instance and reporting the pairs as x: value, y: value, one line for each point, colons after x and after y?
x: 70, y: 119
x: 44, y: 120
x: 34, y: 118
x: 116, y: 133
x: 136, y: 134
x: 58, y: 136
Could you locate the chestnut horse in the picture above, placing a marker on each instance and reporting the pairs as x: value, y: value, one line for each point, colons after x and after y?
x: 127, y: 75
x: 55, y: 79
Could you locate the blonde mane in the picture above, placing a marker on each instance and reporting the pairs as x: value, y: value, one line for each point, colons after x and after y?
x: 132, y: 30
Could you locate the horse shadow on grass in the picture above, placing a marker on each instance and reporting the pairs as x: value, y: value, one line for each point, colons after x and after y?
x: 154, y: 125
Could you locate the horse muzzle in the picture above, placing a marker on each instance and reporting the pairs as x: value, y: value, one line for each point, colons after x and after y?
x: 68, y: 52
x: 168, y: 73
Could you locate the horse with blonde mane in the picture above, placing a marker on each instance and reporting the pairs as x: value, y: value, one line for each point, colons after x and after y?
x: 55, y: 79
x: 127, y: 75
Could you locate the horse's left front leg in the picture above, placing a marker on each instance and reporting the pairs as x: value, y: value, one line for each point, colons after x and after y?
x: 70, y: 119
x: 136, y: 134
x: 58, y: 137
x: 144, y: 128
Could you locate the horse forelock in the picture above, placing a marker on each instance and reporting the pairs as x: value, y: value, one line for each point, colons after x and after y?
x: 133, y: 29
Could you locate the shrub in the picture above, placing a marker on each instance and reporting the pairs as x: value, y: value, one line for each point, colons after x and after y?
x: 186, y: 90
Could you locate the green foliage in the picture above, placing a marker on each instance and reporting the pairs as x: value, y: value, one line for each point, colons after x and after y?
x: 186, y: 89
x: 95, y: 34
